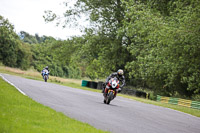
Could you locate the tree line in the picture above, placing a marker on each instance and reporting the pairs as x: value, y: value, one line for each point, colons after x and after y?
x: 156, y: 42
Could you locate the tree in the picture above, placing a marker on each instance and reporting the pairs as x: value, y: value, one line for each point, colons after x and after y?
x: 104, y: 45
x: 27, y: 38
x: 165, y: 47
x: 12, y: 52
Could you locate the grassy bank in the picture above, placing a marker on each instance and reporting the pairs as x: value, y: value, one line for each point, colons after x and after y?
x: 33, y: 74
x: 194, y: 112
x: 77, y: 84
x: 19, y: 113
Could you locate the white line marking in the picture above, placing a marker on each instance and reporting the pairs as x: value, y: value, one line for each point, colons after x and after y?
x: 13, y: 85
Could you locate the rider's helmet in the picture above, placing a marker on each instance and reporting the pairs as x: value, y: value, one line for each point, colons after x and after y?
x: 120, y: 72
x: 46, y: 67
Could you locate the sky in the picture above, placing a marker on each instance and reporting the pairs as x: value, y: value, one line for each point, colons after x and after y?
x: 27, y: 15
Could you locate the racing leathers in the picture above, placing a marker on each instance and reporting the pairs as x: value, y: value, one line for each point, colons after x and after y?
x: 42, y: 72
x: 121, y: 78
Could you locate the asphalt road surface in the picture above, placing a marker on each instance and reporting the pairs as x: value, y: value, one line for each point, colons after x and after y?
x: 121, y: 116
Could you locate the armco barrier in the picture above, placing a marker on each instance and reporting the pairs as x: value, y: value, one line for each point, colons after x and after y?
x: 173, y: 100
x: 84, y: 83
x: 92, y: 84
x: 135, y: 93
x: 195, y: 105
x: 164, y: 99
x: 185, y: 103
x: 179, y: 101
x: 99, y: 85
x: 128, y: 91
x: 158, y: 98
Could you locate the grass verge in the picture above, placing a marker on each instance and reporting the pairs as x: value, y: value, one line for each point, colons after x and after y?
x: 19, y: 113
x: 31, y: 74
x: 194, y: 112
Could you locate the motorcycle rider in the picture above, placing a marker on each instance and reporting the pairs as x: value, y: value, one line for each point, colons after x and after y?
x: 46, y: 68
x: 120, y: 76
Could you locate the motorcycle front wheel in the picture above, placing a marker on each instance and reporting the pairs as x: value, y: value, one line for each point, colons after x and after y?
x: 109, y: 97
x: 45, y: 78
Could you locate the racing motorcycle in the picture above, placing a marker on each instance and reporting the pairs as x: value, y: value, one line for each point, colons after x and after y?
x: 45, y: 74
x: 113, y: 85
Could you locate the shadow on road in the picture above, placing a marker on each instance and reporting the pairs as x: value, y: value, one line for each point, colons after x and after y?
x: 113, y: 105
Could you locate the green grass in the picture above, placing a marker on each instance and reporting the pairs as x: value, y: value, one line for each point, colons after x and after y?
x: 37, y: 76
x: 19, y: 113
x: 191, y: 111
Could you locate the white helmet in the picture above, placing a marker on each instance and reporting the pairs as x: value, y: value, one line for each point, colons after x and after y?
x: 120, y: 72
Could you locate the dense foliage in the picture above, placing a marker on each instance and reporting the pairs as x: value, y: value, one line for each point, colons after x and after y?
x: 27, y: 38
x: 13, y: 52
x: 166, y: 44
x: 58, y: 56
x: 156, y: 42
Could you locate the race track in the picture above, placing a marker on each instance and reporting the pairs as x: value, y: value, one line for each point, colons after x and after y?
x: 121, y: 116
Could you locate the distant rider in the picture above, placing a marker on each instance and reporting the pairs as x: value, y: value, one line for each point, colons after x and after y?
x: 46, y: 68
x: 120, y: 76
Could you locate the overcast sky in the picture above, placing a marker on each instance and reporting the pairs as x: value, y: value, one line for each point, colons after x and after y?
x: 26, y: 15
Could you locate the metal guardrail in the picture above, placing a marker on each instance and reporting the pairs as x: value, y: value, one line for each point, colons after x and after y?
x: 179, y: 101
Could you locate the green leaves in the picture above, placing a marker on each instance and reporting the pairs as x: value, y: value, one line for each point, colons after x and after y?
x: 165, y: 47
x: 13, y: 52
